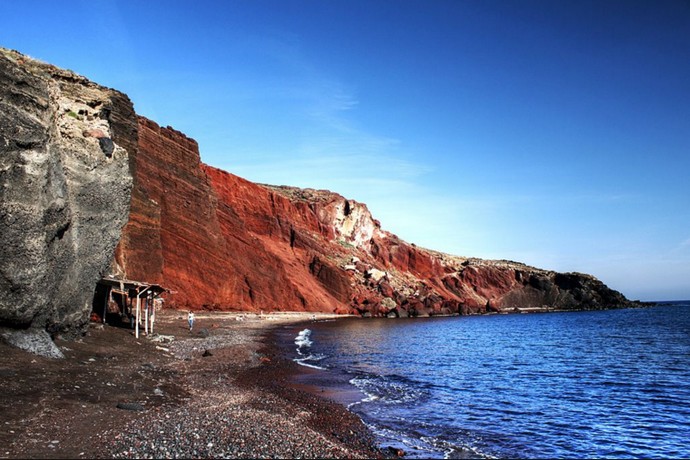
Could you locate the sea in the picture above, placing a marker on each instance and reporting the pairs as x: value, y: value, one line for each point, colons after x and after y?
x: 590, y: 384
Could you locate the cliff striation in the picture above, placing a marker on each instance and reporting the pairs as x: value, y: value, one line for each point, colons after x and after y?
x: 222, y: 242
x: 64, y: 191
x: 77, y: 164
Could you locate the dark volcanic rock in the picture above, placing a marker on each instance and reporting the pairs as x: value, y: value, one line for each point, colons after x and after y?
x: 62, y: 201
x: 107, y: 146
x: 130, y: 406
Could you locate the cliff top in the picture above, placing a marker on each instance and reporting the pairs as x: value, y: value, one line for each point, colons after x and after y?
x: 46, y: 70
x: 304, y: 194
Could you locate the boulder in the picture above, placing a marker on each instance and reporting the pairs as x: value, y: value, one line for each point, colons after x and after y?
x: 33, y: 340
x: 375, y: 274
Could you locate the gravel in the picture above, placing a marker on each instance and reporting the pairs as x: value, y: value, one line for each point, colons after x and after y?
x: 240, y: 406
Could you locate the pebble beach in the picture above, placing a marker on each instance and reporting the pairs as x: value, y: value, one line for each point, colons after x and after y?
x: 220, y: 391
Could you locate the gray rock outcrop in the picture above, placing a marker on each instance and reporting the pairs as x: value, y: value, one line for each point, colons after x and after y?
x: 65, y: 187
x: 33, y: 340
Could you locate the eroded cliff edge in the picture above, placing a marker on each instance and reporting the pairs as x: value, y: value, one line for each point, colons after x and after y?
x: 65, y: 186
x: 77, y: 164
x: 222, y: 242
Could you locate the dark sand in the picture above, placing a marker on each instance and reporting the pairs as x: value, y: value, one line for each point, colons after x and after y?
x: 238, y: 401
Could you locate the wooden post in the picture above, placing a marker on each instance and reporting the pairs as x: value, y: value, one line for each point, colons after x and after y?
x: 105, y: 306
x: 146, y: 315
x: 136, y: 327
x: 153, y: 312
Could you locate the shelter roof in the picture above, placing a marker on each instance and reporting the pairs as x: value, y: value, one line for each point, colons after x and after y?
x: 139, y: 286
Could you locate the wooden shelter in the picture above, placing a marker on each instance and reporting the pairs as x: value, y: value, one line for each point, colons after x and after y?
x: 122, y: 302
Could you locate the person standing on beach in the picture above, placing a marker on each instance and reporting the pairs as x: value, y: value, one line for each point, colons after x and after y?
x: 190, y: 320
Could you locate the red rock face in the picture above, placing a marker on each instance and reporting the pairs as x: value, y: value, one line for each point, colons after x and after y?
x: 238, y: 252
x: 221, y: 242
x: 173, y: 235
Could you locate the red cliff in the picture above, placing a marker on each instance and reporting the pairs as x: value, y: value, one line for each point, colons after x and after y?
x: 221, y: 242
x: 93, y: 190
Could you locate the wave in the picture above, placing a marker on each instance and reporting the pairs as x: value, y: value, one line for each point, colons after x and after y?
x: 418, y: 445
x: 306, y: 357
x: 303, y: 340
x: 388, y: 389
x: 306, y: 361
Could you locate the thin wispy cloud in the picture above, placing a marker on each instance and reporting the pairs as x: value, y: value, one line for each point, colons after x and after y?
x: 373, y: 171
x: 328, y: 100
x: 334, y: 151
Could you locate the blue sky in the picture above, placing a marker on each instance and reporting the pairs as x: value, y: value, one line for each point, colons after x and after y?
x: 555, y: 133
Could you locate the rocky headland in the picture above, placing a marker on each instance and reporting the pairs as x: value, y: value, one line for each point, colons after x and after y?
x: 89, y: 189
x: 221, y: 242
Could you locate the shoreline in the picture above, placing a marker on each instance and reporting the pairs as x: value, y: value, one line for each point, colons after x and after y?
x: 224, y: 390
x: 228, y: 390
x: 281, y: 375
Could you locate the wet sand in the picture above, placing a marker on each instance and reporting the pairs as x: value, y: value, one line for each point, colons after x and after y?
x: 221, y: 391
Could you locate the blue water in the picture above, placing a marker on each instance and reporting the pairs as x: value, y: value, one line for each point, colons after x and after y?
x: 603, y: 384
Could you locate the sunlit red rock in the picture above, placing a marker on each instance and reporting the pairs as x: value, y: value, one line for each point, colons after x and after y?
x: 219, y: 241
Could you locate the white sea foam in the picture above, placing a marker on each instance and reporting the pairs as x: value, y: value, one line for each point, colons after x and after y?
x: 418, y: 446
x: 306, y: 361
x: 303, y: 340
x: 387, y: 390
x: 304, y: 343
x: 359, y: 382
